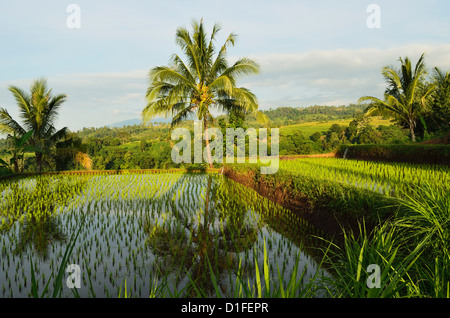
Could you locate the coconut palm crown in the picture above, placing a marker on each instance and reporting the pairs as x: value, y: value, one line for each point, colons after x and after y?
x: 38, y: 111
x: 406, y: 95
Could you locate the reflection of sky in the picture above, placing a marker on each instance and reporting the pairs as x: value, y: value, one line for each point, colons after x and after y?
x: 112, y: 241
x: 310, y: 52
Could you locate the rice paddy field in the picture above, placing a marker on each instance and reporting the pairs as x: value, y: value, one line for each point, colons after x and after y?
x: 176, y: 234
x: 407, y: 208
x: 150, y: 235
x: 390, y: 179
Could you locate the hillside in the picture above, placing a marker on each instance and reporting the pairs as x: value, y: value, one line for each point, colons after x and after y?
x: 309, y: 128
x: 303, y: 131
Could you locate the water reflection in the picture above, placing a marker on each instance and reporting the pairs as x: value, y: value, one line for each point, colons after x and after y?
x: 39, y: 233
x: 174, y: 230
x: 202, y: 241
x: 32, y: 206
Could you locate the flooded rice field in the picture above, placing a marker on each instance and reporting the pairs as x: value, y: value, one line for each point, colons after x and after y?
x: 148, y: 235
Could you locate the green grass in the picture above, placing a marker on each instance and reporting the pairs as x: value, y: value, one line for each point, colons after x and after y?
x: 411, y: 251
x: 410, y: 247
x: 390, y: 179
x: 309, y: 129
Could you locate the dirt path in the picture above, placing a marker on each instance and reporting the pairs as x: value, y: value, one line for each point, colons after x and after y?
x: 321, y: 155
x: 445, y: 140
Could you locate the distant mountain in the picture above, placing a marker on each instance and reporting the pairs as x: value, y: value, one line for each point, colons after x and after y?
x: 135, y: 121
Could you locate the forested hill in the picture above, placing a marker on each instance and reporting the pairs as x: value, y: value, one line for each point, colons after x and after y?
x: 296, y: 115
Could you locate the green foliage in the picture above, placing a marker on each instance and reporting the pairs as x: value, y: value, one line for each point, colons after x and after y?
x: 410, y: 247
x: 436, y: 117
x: 38, y: 110
x: 202, y: 82
x: 405, y: 97
x: 283, y: 116
x: 423, y: 154
x: 411, y: 251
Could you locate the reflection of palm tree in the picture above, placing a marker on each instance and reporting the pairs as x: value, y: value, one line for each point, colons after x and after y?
x: 210, y: 242
x: 40, y: 233
x: 40, y: 227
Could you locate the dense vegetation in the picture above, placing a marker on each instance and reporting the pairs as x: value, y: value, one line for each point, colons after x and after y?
x: 284, y: 115
x: 149, y: 146
x: 424, y: 154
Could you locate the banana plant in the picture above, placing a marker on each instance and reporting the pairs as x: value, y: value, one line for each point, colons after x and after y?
x: 18, y: 150
x: 3, y: 164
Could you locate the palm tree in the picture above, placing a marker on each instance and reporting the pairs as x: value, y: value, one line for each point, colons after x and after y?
x: 38, y: 110
x: 202, y: 83
x: 406, y: 95
x: 441, y: 106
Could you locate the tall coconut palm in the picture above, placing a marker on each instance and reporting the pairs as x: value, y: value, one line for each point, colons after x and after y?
x: 38, y: 110
x: 201, y: 84
x: 406, y: 95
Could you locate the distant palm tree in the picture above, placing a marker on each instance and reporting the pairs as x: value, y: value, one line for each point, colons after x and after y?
x: 406, y: 95
x: 441, y: 105
x: 38, y: 110
x: 201, y: 83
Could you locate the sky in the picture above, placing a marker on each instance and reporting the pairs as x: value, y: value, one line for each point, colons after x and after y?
x: 310, y: 52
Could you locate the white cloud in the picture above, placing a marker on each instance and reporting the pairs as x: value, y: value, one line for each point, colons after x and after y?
x: 94, y: 99
x: 331, y: 76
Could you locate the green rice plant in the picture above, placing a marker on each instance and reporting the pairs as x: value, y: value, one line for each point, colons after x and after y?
x: 125, y: 293
x: 385, y: 248
x: 191, y: 222
x: 386, y: 178
x: 425, y: 219
x: 267, y: 287
x: 58, y: 281
x: 427, y: 212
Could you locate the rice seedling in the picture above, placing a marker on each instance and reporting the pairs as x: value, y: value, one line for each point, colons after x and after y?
x: 389, y: 179
x: 204, y: 235
x: 140, y: 225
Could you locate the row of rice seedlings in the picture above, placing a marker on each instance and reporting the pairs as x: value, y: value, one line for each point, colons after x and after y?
x: 113, y: 244
x: 390, y: 179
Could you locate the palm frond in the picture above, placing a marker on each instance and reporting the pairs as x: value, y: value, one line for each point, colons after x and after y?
x: 23, y: 100
x: 243, y: 66
x: 9, y: 125
x: 58, y: 135
x: 183, y: 111
x: 200, y: 82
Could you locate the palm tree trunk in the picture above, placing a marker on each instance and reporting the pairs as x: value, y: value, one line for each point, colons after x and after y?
x: 16, y: 165
x: 208, y: 148
x: 38, y: 161
x: 411, y: 130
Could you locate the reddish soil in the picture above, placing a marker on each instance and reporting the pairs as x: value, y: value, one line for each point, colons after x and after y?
x: 323, y: 220
x: 445, y: 140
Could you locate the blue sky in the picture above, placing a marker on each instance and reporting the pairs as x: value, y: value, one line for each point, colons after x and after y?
x: 311, y: 53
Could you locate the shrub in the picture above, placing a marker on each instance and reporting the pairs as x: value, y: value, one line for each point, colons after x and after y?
x: 428, y: 154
